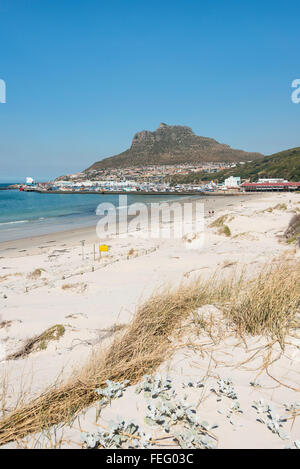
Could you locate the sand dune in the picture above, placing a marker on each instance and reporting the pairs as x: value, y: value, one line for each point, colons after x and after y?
x: 44, y: 281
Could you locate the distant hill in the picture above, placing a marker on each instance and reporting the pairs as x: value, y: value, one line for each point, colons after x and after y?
x: 173, y: 144
x: 285, y: 164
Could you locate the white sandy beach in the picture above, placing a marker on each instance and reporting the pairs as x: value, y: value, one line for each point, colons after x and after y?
x: 88, y: 297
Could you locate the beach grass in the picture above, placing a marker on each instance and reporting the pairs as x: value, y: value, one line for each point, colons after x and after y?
x: 225, y: 230
x: 220, y: 223
x: 269, y: 304
x: 39, y: 342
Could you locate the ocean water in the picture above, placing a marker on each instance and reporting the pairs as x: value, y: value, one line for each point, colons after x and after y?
x: 25, y: 214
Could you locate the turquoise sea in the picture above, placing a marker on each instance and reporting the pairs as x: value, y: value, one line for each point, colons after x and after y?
x: 25, y: 214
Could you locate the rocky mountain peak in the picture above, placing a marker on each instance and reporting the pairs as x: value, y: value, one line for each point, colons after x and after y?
x: 173, y: 144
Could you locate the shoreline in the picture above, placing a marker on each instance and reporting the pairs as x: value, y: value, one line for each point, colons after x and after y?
x: 79, y: 215
x: 76, y: 234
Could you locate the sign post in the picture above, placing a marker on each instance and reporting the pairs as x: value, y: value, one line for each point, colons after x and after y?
x: 82, y: 248
x: 102, y: 248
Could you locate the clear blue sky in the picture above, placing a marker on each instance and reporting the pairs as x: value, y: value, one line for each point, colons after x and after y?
x: 83, y: 76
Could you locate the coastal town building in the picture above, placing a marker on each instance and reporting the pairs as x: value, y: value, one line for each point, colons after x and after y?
x: 232, y: 182
x: 157, y: 178
x: 29, y: 181
x: 270, y: 186
x: 271, y: 180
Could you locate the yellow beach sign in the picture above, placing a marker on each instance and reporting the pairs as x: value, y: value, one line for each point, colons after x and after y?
x: 102, y: 248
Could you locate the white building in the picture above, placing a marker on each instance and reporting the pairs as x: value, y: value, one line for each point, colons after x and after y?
x: 232, y: 181
x: 271, y: 180
x: 29, y: 181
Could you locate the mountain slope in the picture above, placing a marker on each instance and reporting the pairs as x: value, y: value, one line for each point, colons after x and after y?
x: 172, y: 144
x: 285, y: 164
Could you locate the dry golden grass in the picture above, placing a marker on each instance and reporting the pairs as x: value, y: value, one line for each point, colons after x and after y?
x: 219, y: 222
x: 36, y: 274
x: 269, y: 304
x: 78, y: 287
x: 228, y: 263
x: 140, y: 349
x: 39, y: 342
x: 7, y: 276
x: 282, y: 207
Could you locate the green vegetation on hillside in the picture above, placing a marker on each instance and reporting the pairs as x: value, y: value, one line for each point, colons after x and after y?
x: 285, y: 164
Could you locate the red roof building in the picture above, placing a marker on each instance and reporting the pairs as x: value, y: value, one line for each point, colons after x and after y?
x: 270, y: 186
